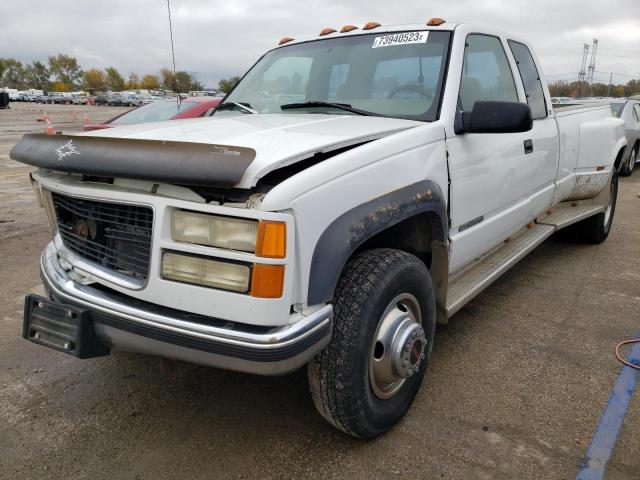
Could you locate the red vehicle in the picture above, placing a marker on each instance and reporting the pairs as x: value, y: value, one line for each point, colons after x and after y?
x: 190, y: 107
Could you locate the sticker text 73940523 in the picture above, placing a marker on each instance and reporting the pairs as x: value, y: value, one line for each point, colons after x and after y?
x: 399, y: 39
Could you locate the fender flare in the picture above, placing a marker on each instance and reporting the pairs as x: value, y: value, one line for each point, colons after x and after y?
x: 351, y: 229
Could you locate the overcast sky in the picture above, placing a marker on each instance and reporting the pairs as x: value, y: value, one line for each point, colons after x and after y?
x: 218, y: 39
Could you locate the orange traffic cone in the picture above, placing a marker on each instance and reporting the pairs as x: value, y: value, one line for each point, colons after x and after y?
x: 49, y: 129
x: 45, y: 117
x: 85, y: 120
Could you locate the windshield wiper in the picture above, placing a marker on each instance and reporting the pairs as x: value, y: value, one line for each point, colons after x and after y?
x: 320, y: 103
x: 231, y: 105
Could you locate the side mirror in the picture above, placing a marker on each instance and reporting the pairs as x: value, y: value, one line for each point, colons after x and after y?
x: 494, y: 117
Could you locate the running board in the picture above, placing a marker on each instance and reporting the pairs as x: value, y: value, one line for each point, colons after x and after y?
x: 469, y: 283
x: 566, y: 214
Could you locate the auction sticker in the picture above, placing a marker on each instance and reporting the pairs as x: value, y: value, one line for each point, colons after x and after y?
x: 403, y: 38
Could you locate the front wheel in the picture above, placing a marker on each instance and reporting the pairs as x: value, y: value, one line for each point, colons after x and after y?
x: 596, y: 229
x: 366, y: 379
x: 631, y: 164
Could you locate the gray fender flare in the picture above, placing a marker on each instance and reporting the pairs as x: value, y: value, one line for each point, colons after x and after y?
x: 350, y: 230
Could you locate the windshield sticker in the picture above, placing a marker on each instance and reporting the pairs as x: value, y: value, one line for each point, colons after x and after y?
x: 400, y: 39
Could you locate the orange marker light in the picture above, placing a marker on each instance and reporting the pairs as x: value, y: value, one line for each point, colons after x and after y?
x: 370, y: 25
x: 284, y: 40
x: 434, y: 22
x: 327, y: 31
x: 272, y: 240
x: 267, y: 281
x: 348, y: 28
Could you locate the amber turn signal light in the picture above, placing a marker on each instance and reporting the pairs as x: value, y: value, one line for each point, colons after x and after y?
x: 348, y: 28
x: 267, y: 281
x: 370, y: 25
x: 272, y: 240
x: 284, y: 40
x: 434, y: 22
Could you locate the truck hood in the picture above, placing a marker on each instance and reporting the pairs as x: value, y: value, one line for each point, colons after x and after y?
x: 228, y: 151
x: 277, y: 139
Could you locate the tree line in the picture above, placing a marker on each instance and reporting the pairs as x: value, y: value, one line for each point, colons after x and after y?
x: 62, y: 73
x: 563, y: 88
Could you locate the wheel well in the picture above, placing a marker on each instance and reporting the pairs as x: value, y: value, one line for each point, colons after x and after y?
x: 413, y: 235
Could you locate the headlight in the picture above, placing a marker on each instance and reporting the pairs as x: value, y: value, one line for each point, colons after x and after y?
x: 206, y: 272
x: 214, y: 231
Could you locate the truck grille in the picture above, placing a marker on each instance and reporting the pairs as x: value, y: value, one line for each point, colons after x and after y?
x: 116, y: 236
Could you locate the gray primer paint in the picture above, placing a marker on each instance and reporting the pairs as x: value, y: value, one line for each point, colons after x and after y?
x: 182, y: 163
x: 351, y: 229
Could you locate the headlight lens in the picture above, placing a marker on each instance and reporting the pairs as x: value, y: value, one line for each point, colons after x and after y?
x: 214, y: 231
x: 206, y: 272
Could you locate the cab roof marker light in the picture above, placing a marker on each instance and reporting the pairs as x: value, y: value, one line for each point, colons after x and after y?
x: 348, y: 28
x: 370, y: 25
x: 284, y: 40
x: 327, y: 31
x: 434, y: 22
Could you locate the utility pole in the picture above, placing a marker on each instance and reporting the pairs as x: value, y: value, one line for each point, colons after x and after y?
x: 610, y: 81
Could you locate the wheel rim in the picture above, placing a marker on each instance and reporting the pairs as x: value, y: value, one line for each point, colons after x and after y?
x: 607, y: 212
x: 633, y: 159
x: 398, y: 346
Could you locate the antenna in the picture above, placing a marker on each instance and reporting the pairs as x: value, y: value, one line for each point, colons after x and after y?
x: 173, y: 58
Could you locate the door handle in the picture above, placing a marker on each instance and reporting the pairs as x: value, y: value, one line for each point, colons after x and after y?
x: 528, y: 146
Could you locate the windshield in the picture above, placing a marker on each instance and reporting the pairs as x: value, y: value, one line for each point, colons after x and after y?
x: 616, y: 109
x: 153, y: 112
x: 395, y: 75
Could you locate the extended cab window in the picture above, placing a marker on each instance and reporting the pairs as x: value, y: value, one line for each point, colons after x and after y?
x: 486, y: 74
x: 530, y: 79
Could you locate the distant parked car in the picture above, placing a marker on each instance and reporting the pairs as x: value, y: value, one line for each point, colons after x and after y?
x: 161, y: 110
x: 80, y: 99
x: 629, y: 111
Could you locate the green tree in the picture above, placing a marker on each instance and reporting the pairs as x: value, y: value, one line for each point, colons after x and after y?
x: 65, y: 70
x: 95, y: 80
x: 150, y: 82
x: 184, y: 82
x: 14, y: 74
x: 38, y: 76
x: 168, y: 79
x: 114, y: 79
x: 226, y: 84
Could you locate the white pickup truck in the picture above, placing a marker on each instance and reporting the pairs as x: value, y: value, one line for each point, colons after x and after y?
x: 355, y: 188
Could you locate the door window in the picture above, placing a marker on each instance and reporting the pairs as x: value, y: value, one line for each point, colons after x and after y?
x: 636, y: 110
x: 530, y: 79
x: 486, y: 74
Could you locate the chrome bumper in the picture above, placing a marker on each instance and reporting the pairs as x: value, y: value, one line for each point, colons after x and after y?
x: 129, y: 326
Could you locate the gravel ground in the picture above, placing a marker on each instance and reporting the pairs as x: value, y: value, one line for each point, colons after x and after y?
x: 516, y: 385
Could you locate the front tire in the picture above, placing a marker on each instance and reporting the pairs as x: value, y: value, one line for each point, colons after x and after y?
x: 596, y: 229
x: 366, y: 379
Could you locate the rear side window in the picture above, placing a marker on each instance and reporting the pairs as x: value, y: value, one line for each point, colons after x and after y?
x: 636, y: 109
x: 530, y: 79
x: 486, y: 74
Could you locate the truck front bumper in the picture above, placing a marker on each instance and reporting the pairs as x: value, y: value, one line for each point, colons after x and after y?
x: 124, y: 323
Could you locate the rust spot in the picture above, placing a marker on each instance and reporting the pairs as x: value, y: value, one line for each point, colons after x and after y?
x: 530, y: 225
x: 600, y: 168
x: 574, y: 204
x: 507, y: 240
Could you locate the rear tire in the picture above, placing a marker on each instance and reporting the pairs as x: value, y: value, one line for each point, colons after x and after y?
x: 628, y: 167
x: 596, y: 229
x: 381, y: 287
